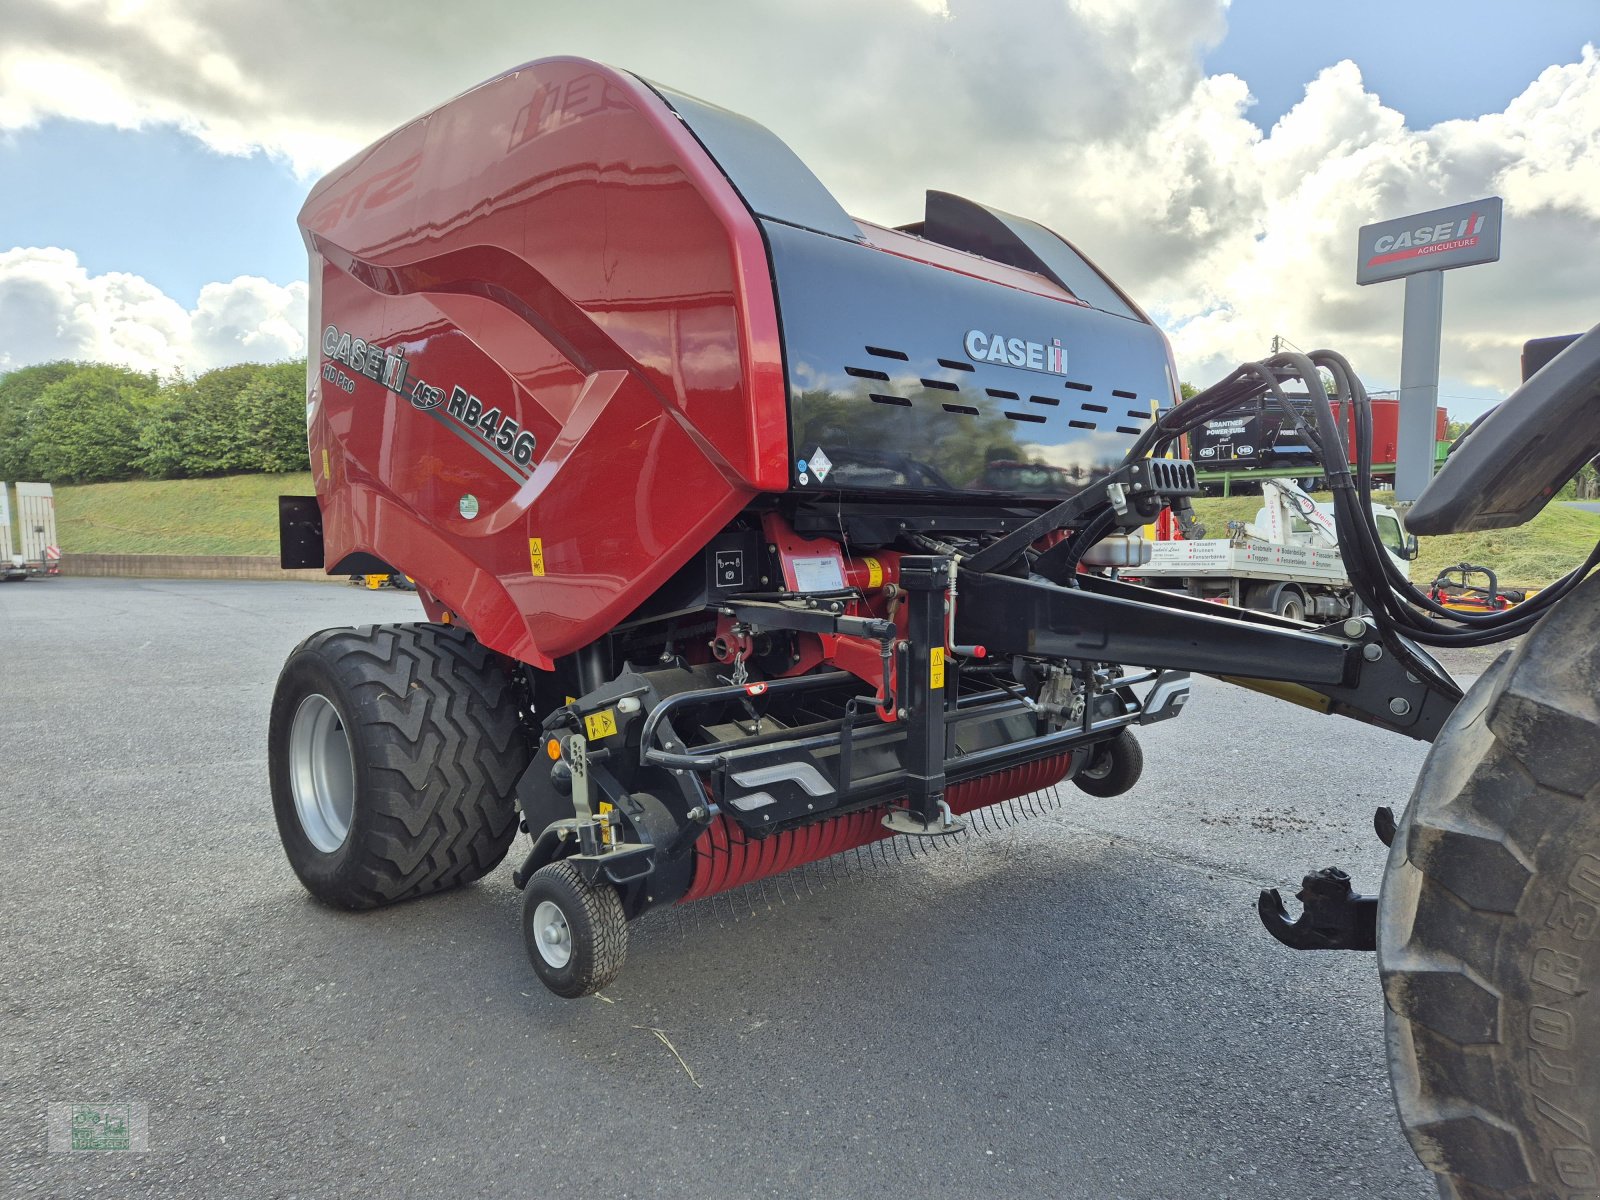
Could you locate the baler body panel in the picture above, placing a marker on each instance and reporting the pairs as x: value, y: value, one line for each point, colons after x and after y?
x: 555, y: 248
x: 882, y: 383
x: 875, y: 331
x: 567, y: 333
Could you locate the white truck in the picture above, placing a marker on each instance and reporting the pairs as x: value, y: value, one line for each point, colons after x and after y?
x: 34, y: 550
x: 1286, y: 561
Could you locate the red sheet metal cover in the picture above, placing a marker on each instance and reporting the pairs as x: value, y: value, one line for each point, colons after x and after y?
x: 547, y: 364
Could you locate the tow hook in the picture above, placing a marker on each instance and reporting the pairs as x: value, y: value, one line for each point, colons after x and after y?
x: 1334, y: 916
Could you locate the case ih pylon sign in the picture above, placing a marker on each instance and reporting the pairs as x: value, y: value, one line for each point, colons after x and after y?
x: 1459, y: 236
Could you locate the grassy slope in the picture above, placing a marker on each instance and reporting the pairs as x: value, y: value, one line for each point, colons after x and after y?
x: 1532, y: 555
x: 238, y: 514
x: 234, y: 514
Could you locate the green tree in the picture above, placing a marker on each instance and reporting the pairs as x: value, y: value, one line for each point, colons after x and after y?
x: 273, y: 406
x: 19, y: 392
x: 201, y: 429
x: 84, y: 427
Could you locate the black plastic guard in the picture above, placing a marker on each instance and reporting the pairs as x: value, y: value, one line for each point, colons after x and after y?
x: 1507, y: 469
x: 299, y: 533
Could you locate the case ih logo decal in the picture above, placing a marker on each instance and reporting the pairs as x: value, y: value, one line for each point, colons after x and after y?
x: 1430, y: 239
x: 1050, y: 358
x: 1442, y: 239
x: 492, y: 433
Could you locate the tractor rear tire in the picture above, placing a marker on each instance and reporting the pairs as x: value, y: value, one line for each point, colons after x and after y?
x: 1488, y: 923
x: 575, y: 932
x: 393, y: 752
x: 1114, y: 767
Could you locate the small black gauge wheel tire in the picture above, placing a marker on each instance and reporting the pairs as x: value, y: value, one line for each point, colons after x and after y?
x: 1489, y: 926
x: 1114, y: 766
x: 575, y: 932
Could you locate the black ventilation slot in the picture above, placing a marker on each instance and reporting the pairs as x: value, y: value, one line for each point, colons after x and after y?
x: 1001, y: 394
x: 1120, y: 395
x: 1075, y: 386
x: 1173, y: 476
x: 866, y: 373
x: 901, y: 401
x: 1033, y: 418
x: 1052, y: 401
x: 1082, y: 424
x: 1094, y: 408
x: 1128, y: 429
x: 944, y: 385
x: 964, y: 410
x: 1137, y: 415
x: 880, y: 352
x: 956, y: 364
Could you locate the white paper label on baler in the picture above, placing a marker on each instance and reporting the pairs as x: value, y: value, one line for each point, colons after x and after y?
x: 820, y: 465
x: 817, y: 574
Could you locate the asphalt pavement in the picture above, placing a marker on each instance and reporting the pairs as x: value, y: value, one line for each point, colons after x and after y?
x: 1078, y: 1005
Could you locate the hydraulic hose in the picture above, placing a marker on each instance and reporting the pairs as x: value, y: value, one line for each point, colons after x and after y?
x: 1400, y: 609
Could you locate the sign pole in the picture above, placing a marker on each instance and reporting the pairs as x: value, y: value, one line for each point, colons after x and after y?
x: 1420, y: 249
x: 1421, y: 332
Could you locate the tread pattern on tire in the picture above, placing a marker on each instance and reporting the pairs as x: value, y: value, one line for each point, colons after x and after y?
x: 1126, y: 769
x: 1472, y: 887
x: 444, y: 748
x: 601, y: 910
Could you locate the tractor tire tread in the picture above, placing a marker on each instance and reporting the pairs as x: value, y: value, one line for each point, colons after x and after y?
x: 1461, y: 909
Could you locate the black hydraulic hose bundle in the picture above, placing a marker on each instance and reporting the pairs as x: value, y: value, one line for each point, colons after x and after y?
x: 1401, y: 610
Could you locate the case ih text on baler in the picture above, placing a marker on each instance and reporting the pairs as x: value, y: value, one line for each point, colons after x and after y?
x: 749, y: 533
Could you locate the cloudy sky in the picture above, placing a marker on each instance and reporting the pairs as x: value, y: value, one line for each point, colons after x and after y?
x: 1215, y: 159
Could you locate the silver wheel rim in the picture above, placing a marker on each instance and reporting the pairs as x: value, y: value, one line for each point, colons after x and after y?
x: 322, y: 775
x: 1294, y: 610
x: 551, y: 934
x: 1099, y: 766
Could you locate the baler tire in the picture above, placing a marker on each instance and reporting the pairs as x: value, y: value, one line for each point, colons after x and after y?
x: 430, y: 723
x: 1487, y: 919
x: 1115, y: 767
x: 595, y: 929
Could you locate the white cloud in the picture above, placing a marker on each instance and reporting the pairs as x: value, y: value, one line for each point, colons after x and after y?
x: 1093, y: 116
x: 51, y: 307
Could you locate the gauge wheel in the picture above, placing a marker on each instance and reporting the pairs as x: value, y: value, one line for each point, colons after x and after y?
x: 1114, y: 766
x: 575, y: 932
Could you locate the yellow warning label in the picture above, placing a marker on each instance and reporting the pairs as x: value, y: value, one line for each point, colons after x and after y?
x: 600, y: 725
x: 936, y: 667
x: 325, y: 473
x: 874, y: 574
x: 603, y: 811
x: 536, y: 554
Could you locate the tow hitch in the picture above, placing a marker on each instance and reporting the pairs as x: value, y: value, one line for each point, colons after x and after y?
x: 1334, y: 918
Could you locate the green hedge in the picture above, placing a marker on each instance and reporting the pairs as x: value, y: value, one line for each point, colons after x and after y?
x: 66, y: 422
